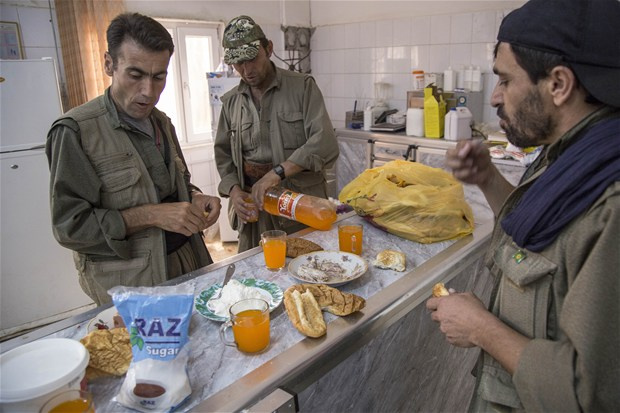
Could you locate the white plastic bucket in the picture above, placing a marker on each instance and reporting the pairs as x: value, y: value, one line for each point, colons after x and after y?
x: 31, y: 374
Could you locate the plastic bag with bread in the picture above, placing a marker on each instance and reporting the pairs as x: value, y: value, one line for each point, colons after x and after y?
x: 304, y: 302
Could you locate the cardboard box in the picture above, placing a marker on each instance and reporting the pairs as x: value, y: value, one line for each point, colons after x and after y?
x: 415, y: 99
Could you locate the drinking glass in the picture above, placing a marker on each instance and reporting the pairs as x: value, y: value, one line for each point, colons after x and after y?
x: 70, y: 401
x: 350, y: 238
x: 249, y: 320
x: 274, y: 249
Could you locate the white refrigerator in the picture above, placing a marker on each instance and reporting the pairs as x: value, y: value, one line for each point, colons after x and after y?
x: 38, y: 280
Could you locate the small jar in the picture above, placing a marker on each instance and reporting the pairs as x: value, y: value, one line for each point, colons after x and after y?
x: 418, y: 79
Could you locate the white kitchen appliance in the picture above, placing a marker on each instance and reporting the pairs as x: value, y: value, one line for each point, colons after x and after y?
x: 38, y: 280
x: 217, y: 87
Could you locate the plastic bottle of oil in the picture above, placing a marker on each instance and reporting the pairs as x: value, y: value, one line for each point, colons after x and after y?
x: 315, y: 212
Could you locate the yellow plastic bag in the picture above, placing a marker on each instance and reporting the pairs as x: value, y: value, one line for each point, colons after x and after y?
x: 411, y: 200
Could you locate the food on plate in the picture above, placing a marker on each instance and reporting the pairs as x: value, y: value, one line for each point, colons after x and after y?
x: 231, y: 293
x: 440, y: 290
x: 299, y: 246
x: 323, y: 270
x: 109, y: 349
x: 391, y: 260
x: 305, y: 313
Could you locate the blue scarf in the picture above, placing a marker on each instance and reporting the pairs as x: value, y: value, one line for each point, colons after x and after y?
x: 568, y: 187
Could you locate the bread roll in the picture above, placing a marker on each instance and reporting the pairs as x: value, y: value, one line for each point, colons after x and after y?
x: 305, y: 313
x: 299, y: 246
x: 440, y: 290
x: 391, y: 260
x: 331, y: 299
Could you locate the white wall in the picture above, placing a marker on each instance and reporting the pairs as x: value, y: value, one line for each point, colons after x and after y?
x: 348, y: 59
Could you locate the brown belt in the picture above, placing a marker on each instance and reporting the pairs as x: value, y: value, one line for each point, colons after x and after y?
x: 254, y: 171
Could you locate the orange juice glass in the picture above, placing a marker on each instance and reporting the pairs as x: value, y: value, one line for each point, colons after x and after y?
x: 274, y: 249
x: 70, y: 401
x: 350, y: 238
x: 253, y: 207
x: 249, y: 320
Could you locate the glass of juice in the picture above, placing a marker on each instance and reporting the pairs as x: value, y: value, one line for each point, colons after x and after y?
x: 70, y: 401
x: 274, y: 249
x: 350, y: 238
x: 253, y: 207
x: 249, y: 320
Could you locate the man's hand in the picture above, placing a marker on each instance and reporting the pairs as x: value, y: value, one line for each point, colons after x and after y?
x: 182, y: 217
x: 245, y: 209
x: 259, y: 188
x: 467, y: 323
x: 471, y: 163
x: 210, y: 205
x: 460, y: 317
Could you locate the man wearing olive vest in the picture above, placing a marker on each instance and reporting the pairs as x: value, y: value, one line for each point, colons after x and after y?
x: 551, y: 333
x: 121, y: 196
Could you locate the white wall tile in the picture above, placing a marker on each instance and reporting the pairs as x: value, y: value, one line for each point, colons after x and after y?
x: 336, y: 37
x: 367, y: 34
x: 320, y: 61
x: 40, y: 32
x: 461, y: 28
x: 401, y: 83
x: 401, y: 59
x: 367, y: 82
x: 336, y: 58
x: 481, y: 57
x: 367, y: 60
x: 421, y: 30
x: 324, y: 83
x: 320, y: 38
x: 384, y: 33
x: 439, y: 58
x: 351, y: 60
x: 338, y: 86
x: 460, y: 54
x: 402, y: 32
x: 483, y: 27
x: 489, y: 80
x: 440, y: 29
x: 382, y: 63
x: 352, y: 35
x: 420, y: 57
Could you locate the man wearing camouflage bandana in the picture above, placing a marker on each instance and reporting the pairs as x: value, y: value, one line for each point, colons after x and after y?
x: 273, y: 130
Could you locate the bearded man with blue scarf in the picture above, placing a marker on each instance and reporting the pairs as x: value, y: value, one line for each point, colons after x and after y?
x: 550, y: 337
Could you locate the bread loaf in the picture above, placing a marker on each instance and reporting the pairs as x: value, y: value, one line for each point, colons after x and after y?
x: 391, y: 260
x: 299, y: 246
x: 332, y: 299
x: 305, y: 313
x: 303, y: 303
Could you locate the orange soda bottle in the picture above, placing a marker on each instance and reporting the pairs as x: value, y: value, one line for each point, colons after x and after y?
x: 312, y: 211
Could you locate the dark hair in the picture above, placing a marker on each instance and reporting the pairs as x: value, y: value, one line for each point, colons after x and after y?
x: 538, y: 64
x: 145, y: 31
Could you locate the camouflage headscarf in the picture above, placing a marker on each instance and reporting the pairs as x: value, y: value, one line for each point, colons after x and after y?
x: 241, y: 40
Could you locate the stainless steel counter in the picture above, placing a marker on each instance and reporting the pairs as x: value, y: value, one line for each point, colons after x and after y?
x: 224, y: 379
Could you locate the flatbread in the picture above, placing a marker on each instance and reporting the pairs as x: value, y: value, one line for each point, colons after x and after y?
x: 299, y: 246
x: 110, y: 350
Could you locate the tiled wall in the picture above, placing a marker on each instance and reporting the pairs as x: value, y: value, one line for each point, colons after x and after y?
x: 348, y: 59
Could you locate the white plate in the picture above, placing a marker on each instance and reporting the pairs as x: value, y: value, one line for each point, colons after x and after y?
x: 354, y: 266
x: 106, y: 317
x: 271, y: 293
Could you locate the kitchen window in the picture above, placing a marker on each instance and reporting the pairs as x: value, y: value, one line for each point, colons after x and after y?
x: 186, y: 96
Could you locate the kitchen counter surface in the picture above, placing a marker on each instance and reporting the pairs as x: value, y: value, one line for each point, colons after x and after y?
x: 223, y: 379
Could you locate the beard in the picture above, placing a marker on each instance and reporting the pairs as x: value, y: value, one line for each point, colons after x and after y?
x: 530, y: 124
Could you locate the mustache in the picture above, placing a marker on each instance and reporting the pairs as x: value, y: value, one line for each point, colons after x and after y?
x: 500, y: 112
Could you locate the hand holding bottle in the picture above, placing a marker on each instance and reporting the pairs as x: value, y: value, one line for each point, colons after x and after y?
x: 244, y: 205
